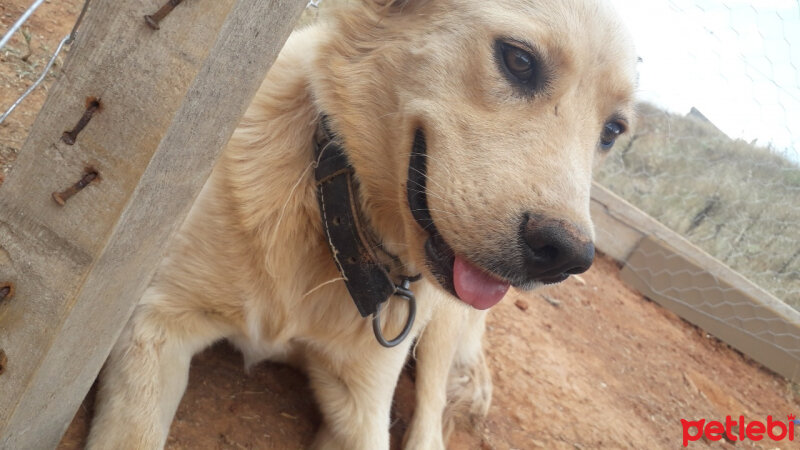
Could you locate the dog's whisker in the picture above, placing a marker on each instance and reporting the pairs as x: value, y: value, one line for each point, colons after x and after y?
x: 451, y: 213
x: 277, y: 227
x: 321, y: 285
x: 427, y: 191
x: 440, y: 213
x: 425, y: 175
x: 396, y: 263
x: 426, y: 155
x: 395, y: 113
x: 322, y: 152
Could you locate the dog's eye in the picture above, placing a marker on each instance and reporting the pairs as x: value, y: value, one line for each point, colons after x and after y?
x: 611, y: 131
x: 519, y: 62
x: 521, y: 67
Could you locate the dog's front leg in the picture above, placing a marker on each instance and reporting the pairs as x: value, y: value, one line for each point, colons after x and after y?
x: 469, y: 386
x: 354, y: 388
x: 451, y: 375
x: 434, y: 353
x: 146, y: 374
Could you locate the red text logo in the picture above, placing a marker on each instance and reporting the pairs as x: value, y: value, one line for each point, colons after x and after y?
x: 733, y: 430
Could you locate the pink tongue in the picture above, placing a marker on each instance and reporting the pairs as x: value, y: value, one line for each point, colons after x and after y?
x: 475, y: 287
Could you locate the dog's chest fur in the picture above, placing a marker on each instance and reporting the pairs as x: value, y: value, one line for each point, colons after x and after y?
x: 253, y: 245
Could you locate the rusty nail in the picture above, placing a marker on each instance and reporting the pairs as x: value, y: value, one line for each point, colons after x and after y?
x: 153, y: 19
x: 62, y: 197
x: 3, y: 361
x: 6, y: 291
x: 92, y: 106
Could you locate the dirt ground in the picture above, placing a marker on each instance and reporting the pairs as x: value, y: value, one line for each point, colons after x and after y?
x: 577, y: 366
x: 586, y: 364
x: 21, y: 62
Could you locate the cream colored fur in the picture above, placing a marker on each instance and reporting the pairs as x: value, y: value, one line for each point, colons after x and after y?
x: 251, y: 264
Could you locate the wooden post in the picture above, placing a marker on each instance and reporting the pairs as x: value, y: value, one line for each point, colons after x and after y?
x: 667, y: 268
x: 169, y: 100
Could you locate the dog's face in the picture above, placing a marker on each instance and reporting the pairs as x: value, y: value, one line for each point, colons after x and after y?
x: 485, y: 118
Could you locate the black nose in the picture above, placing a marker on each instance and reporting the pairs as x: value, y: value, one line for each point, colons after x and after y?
x: 555, y: 248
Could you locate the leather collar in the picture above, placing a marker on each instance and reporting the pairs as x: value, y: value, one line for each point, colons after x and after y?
x: 351, y: 242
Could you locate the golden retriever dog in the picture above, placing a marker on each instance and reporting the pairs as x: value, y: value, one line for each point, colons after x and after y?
x: 466, y: 132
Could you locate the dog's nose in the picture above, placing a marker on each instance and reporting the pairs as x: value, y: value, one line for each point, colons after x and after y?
x: 556, y: 248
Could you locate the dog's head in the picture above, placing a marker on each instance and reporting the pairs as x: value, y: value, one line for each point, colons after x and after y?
x: 473, y: 126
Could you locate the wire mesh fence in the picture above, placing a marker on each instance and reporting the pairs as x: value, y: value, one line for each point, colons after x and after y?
x: 721, y: 165
x: 68, y: 39
x: 29, y: 61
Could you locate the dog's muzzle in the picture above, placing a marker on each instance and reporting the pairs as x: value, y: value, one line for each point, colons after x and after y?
x: 548, y: 250
x: 461, y: 278
x: 554, y: 249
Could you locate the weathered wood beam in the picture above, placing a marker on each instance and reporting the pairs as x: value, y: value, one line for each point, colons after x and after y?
x: 667, y: 268
x: 170, y: 100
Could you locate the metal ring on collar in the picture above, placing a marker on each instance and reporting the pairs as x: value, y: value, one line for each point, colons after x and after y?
x: 401, y: 291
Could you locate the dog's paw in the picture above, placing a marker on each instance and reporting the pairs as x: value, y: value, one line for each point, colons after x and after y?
x: 426, y: 436
x: 352, y: 436
x: 469, y: 394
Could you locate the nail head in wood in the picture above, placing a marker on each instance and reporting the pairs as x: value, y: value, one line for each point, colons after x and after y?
x: 92, y: 106
x: 6, y: 291
x: 152, y: 20
x: 62, y: 197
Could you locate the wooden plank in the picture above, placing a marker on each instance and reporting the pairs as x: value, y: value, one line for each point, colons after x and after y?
x: 171, y: 99
x: 620, y: 226
x: 617, y: 230
x: 667, y: 268
x: 703, y: 293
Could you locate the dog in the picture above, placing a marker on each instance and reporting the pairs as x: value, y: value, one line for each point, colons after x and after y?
x: 456, y: 139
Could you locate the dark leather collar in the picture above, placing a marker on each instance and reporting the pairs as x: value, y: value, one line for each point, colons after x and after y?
x: 352, y: 244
